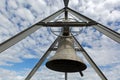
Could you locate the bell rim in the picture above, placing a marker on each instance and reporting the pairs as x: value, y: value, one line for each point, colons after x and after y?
x: 71, y: 65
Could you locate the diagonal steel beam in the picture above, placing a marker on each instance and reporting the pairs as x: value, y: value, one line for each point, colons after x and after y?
x: 106, y: 31
x: 91, y: 62
x: 41, y: 60
x: 10, y: 42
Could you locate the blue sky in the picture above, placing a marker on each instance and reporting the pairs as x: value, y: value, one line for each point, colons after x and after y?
x: 17, y: 15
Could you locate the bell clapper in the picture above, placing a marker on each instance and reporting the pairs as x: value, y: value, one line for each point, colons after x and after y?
x: 81, y: 73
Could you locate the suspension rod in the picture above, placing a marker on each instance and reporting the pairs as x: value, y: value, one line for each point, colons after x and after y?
x: 65, y: 75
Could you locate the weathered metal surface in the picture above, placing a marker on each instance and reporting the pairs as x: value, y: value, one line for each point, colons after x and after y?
x: 65, y: 58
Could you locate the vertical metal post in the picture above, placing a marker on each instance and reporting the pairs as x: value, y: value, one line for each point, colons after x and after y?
x: 91, y: 62
x: 66, y: 14
x: 66, y: 28
x: 66, y: 3
x: 65, y: 75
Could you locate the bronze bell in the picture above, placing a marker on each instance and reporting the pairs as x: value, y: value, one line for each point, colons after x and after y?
x: 65, y: 58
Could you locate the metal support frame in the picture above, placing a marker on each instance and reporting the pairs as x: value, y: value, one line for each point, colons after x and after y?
x: 91, y: 62
x: 45, y: 22
x: 108, y: 32
x: 41, y: 60
x: 15, y: 39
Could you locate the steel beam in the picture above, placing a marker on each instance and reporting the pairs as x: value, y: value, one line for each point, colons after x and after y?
x: 106, y: 31
x: 41, y: 60
x: 68, y: 24
x: 91, y: 62
x: 10, y: 42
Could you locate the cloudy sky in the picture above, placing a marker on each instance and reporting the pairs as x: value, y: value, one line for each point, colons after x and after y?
x: 17, y: 61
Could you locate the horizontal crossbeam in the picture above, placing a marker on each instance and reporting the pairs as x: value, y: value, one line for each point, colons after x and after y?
x: 70, y: 24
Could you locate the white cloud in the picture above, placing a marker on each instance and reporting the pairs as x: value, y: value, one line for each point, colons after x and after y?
x: 12, y: 4
x: 25, y: 13
x: 104, y: 51
x: 11, y: 75
x: 73, y: 2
